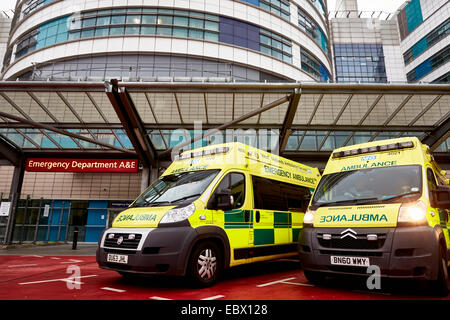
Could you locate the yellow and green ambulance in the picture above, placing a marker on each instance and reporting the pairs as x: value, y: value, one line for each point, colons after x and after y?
x: 214, y: 207
x: 383, y: 204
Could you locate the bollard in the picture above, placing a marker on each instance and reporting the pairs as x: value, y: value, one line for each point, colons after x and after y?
x: 75, y: 239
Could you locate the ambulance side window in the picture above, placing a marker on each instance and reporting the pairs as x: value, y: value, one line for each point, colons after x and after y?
x: 236, y: 183
x: 280, y: 196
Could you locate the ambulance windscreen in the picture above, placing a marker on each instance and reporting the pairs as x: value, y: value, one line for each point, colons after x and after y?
x: 374, y: 185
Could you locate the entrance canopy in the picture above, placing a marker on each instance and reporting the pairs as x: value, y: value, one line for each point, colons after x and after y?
x: 147, y: 120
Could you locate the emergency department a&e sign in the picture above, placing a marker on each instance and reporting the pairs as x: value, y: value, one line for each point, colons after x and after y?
x: 81, y: 165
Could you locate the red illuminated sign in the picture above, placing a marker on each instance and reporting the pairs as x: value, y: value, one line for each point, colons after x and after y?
x: 81, y: 165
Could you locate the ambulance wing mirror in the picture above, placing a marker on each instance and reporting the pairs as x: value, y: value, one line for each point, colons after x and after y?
x: 224, y: 200
x: 442, y: 197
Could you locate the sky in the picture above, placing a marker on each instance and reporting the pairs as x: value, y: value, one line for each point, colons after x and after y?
x: 364, y: 5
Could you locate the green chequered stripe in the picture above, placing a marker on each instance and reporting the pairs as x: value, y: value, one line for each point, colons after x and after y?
x: 264, y: 236
x: 235, y: 219
x: 282, y: 219
x: 295, y: 233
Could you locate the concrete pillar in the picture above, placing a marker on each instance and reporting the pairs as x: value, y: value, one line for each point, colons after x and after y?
x: 145, y: 178
x: 14, y: 196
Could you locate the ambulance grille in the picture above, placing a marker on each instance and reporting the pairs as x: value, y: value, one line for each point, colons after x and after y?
x: 360, y: 242
x: 126, y: 244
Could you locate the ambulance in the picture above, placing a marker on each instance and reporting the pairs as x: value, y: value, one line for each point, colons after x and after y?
x: 214, y: 207
x: 382, y: 204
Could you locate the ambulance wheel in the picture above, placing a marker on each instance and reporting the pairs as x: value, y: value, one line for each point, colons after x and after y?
x: 439, y: 287
x: 315, y: 277
x: 205, y: 264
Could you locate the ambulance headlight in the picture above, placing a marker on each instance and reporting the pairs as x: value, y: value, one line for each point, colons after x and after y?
x: 308, y: 219
x: 412, y: 213
x: 178, y: 214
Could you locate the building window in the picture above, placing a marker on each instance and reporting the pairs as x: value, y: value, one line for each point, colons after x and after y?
x: 252, y: 37
x: 429, y: 65
x: 32, y: 5
x: 428, y: 41
x: 116, y: 22
x: 409, y: 18
x: 320, y: 6
x: 311, y: 28
x: 275, y: 45
x: 279, y: 7
x: 413, y: 13
x: 312, y: 65
x: 360, y: 63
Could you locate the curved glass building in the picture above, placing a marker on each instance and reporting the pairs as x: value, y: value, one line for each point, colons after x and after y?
x: 184, y: 40
x: 424, y: 26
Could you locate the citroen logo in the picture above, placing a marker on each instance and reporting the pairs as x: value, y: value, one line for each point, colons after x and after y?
x: 348, y: 233
x: 120, y: 240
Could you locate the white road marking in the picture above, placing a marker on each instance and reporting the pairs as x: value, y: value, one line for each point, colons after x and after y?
x: 72, y: 261
x: 71, y: 279
x: 33, y: 255
x: 159, y: 298
x: 112, y: 289
x: 274, y: 282
x: 23, y: 265
x: 214, y: 297
x: 299, y: 284
x: 55, y: 258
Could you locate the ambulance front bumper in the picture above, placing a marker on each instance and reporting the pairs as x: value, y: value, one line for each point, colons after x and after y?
x: 404, y: 252
x: 159, y: 251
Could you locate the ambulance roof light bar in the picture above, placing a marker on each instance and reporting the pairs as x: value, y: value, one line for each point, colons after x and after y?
x: 385, y: 147
x: 209, y: 152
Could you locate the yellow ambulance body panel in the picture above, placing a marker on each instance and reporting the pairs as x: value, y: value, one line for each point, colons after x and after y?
x: 382, y: 203
x: 232, y: 201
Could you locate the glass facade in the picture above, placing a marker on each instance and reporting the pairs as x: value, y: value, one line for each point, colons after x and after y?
x: 328, y: 141
x: 239, y: 33
x: 360, y: 63
x: 428, y: 41
x: 429, y: 65
x: 319, y: 4
x: 308, y: 25
x: 146, y: 67
x: 31, y: 5
x: 275, y: 45
x: 265, y: 139
x: 163, y: 22
x: 413, y: 13
x: 35, y: 138
x: 409, y: 18
x: 279, y: 7
x: 313, y: 66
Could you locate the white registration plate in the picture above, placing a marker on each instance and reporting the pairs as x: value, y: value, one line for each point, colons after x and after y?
x: 350, y: 261
x: 117, y: 258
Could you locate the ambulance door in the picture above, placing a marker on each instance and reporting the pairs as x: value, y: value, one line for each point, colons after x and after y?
x: 271, y: 218
x: 443, y: 214
x: 237, y: 221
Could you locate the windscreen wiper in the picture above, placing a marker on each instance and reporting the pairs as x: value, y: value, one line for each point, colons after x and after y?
x: 187, y: 197
x: 151, y: 204
x: 400, y: 196
x: 349, y: 201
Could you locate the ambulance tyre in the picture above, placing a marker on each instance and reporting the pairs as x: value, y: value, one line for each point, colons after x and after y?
x: 439, y: 287
x: 205, y: 264
x: 315, y: 277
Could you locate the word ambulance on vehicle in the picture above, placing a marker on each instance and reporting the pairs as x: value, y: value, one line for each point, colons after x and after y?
x: 214, y: 207
x: 383, y: 204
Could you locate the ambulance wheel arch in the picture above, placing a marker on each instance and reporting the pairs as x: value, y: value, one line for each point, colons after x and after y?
x: 210, y: 234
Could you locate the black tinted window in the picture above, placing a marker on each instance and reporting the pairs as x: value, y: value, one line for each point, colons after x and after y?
x: 279, y: 196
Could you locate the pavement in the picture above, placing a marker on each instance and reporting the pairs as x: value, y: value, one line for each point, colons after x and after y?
x: 50, y: 249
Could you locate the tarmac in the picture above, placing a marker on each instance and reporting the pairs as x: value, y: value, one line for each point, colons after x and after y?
x: 50, y: 249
